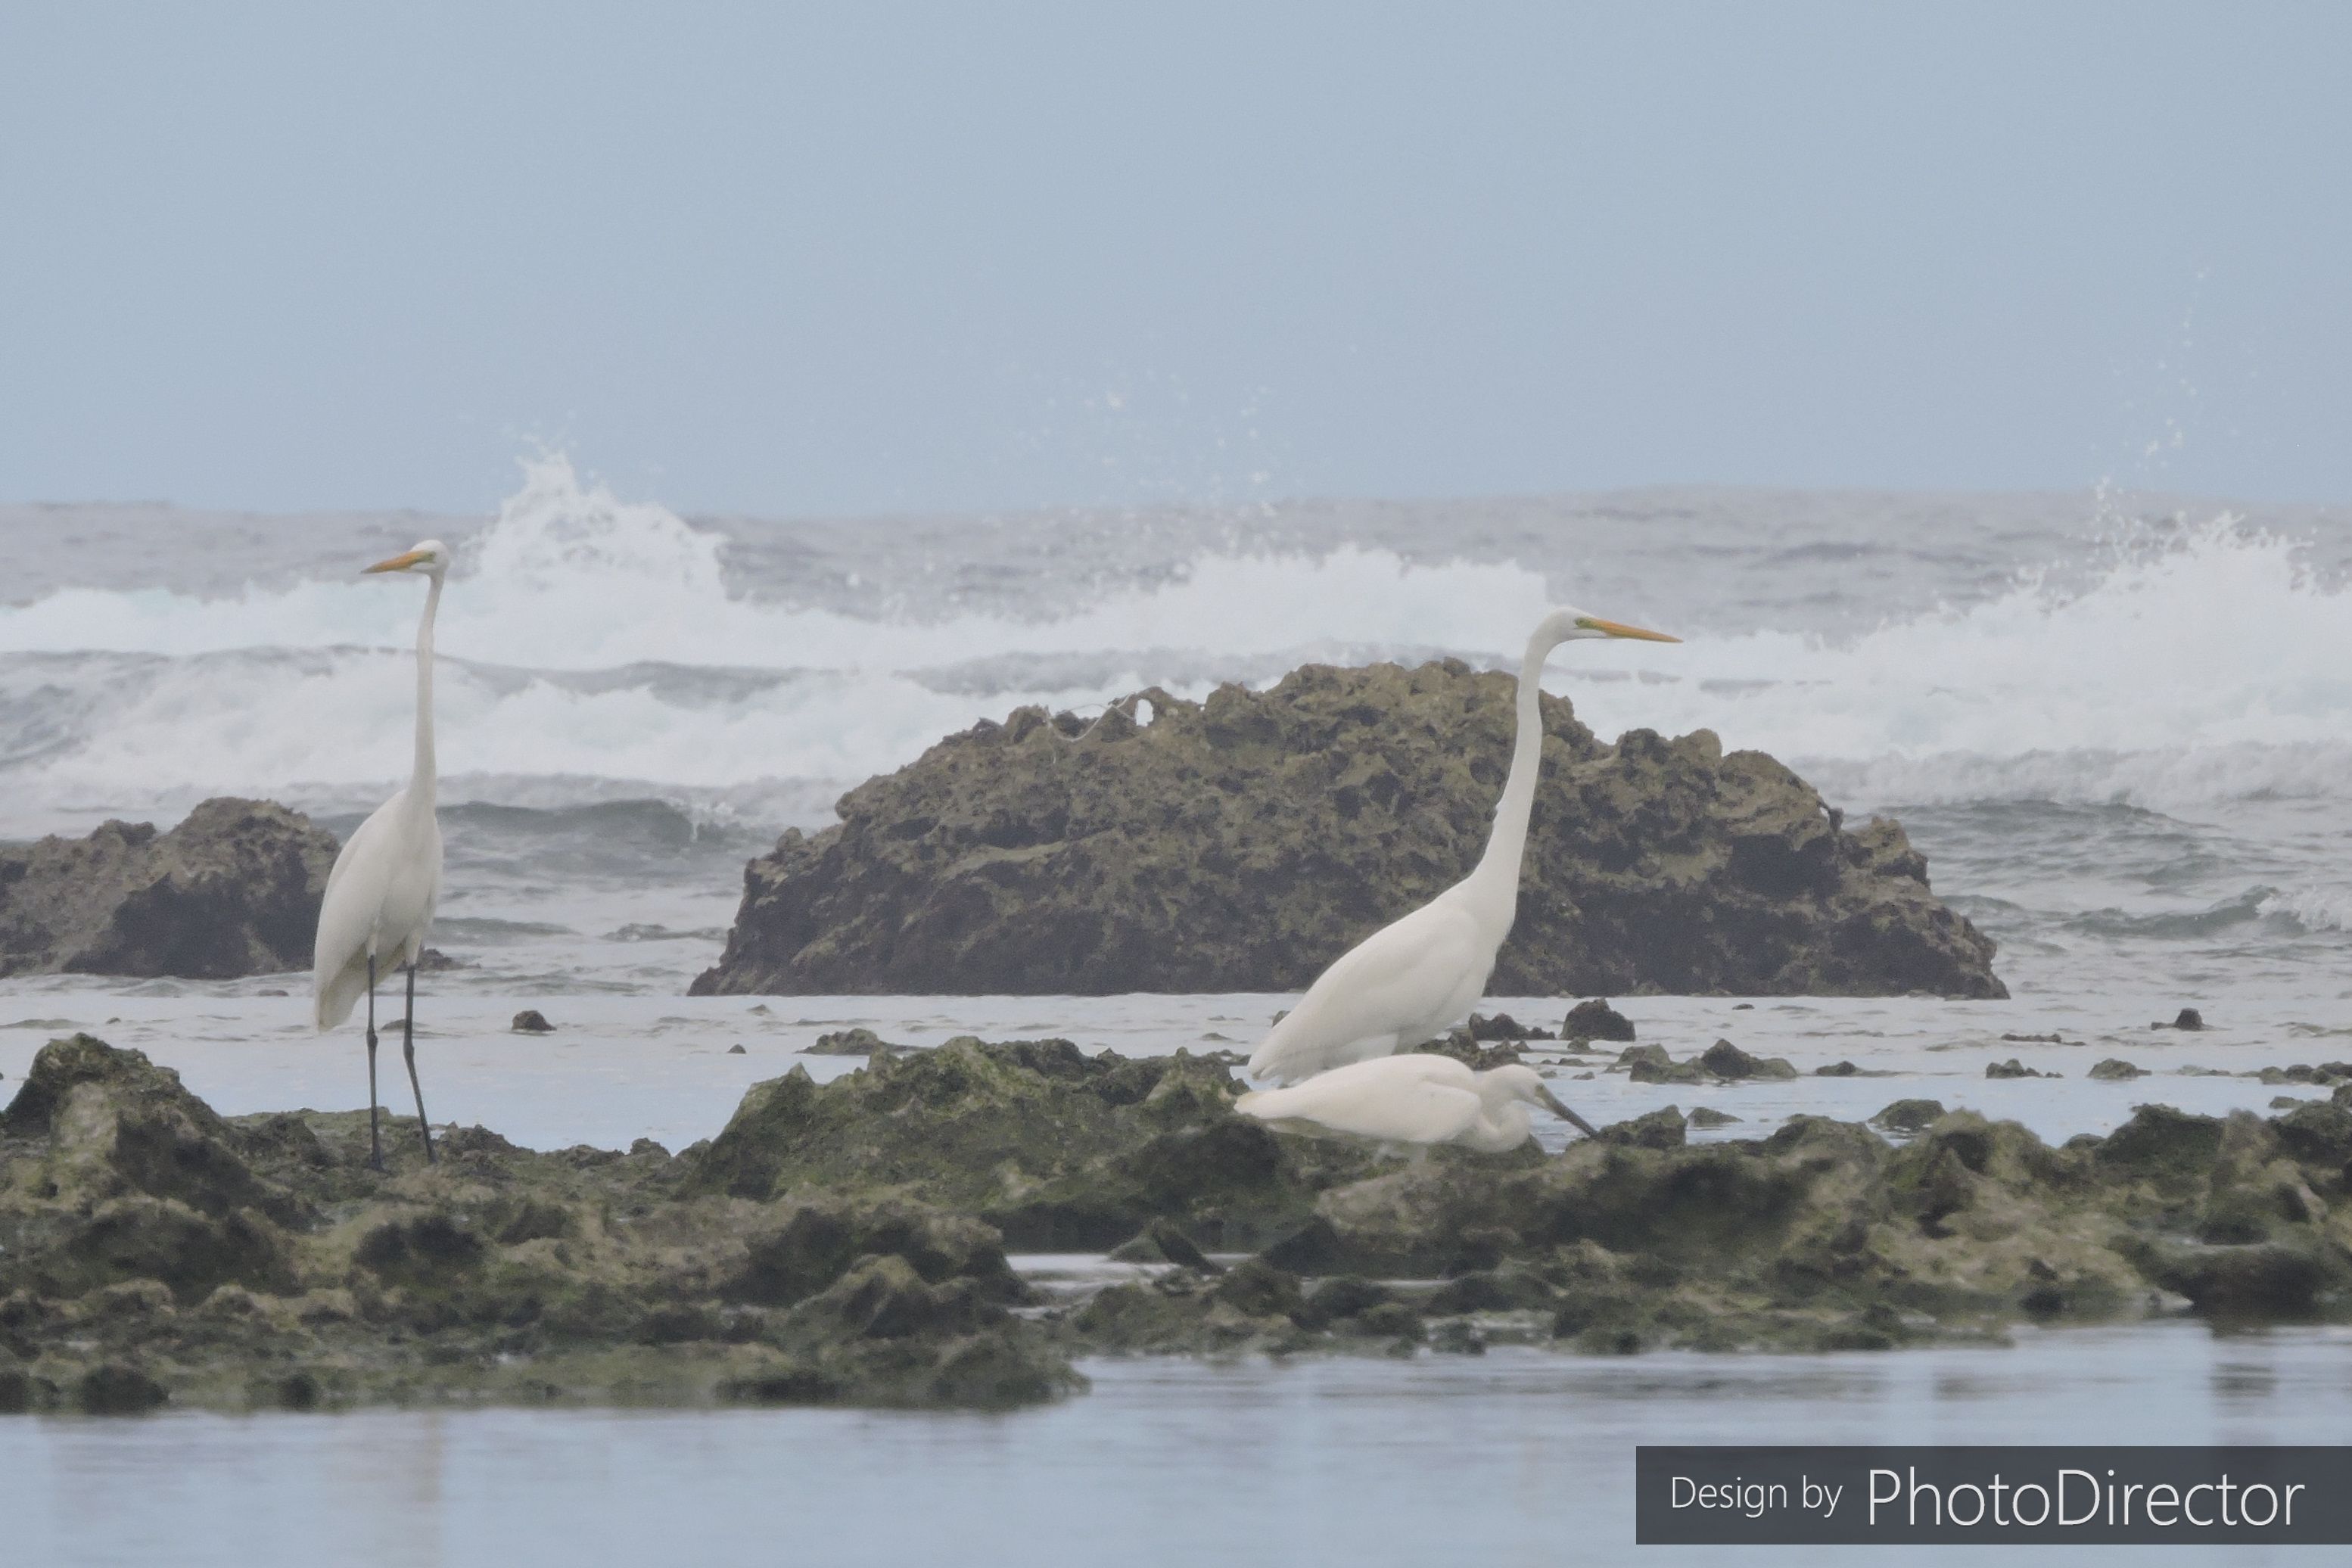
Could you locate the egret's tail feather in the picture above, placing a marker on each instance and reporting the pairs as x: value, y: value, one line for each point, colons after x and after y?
x: 338, y: 994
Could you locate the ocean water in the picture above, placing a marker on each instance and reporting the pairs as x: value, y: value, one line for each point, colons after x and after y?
x: 2119, y: 726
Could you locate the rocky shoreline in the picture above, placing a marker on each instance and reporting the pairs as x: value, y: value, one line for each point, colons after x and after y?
x: 1242, y: 843
x: 849, y: 1242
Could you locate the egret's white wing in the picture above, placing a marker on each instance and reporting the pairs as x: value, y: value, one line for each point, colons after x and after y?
x: 1401, y: 977
x: 347, y: 918
x: 1418, y: 1104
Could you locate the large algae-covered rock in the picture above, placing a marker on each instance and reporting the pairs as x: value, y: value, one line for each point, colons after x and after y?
x: 1055, y: 1148
x: 233, y: 890
x: 1242, y: 843
x: 151, y: 1247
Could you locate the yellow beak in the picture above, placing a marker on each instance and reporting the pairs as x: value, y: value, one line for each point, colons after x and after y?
x: 401, y: 563
x: 1619, y: 629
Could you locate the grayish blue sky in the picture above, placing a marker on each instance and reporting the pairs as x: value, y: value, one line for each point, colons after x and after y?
x: 885, y: 258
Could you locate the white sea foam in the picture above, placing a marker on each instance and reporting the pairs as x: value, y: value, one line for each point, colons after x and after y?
x: 2212, y: 669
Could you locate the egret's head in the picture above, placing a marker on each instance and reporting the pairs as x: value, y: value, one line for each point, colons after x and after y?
x: 1567, y: 625
x: 1500, y: 1086
x: 430, y: 558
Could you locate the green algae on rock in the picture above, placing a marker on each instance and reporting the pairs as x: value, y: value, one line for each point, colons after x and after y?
x: 844, y: 1243
x: 1241, y: 843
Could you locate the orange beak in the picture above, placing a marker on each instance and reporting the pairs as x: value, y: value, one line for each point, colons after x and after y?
x: 1619, y: 629
x: 401, y: 563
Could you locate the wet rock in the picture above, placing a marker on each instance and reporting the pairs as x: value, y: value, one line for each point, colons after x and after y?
x: 1041, y: 857
x: 1663, y: 1128
x: 2115, y: 1069
x: 1728, y: 1061
x: 1651, y: 1064
x: 2317, y: 1135
x: 1059, y: 1150
x: 231, y: 892
x: 2172, y: 1148
x: 1595, y: 1019
x: 2186, y: 1018
x: 2263, y: 1281
x: 1464, y: 1047
x: 1838, y: 1069
x: 1161, y: 1242
x: 117, y: 1388
x: 736, y: 1050
x: 530, y: 1021
x: 1909, y: 1115
x: 852, y: 1042
x: 1708, y: 1116
x: 1503, y: 1026
x: 2013, y: 1068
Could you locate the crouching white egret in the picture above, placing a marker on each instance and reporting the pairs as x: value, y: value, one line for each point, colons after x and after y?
x: 1410, y: 981
x: 1417, y: 1099
x: 386, y: 880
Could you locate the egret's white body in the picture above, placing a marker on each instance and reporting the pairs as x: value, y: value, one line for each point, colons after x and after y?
x: 1416, y: 1099
x: 387, y: 878
x: 1411, y: 981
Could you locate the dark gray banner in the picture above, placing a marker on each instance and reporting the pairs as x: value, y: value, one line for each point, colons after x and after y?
x: 2082, y: 1496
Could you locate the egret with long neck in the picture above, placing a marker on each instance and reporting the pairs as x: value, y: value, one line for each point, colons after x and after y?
x: 1411, y: 981
x: 387, y: 879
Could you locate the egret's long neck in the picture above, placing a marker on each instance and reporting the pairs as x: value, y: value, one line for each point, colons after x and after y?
x: 1496, y: 880
x: 421, y: 782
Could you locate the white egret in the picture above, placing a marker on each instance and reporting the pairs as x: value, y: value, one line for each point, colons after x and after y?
x: 386, y: 880
x: 1415, y: 1099
x: 1411, y: 981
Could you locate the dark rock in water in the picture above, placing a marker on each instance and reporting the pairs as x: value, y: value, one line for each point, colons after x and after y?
x: 2034, y: 1039
x: 233, y: 890
x: 433, y: 961
x: 1651, y: 1064
x: 117, y: 1388
x: 2166, y: 1146
x: 1161, y: 1242
x: 1708, y: 1116
x: 1595, y: 1019
x: 530, y: 1021
x: 1243, y: 843
x: 853, y: 1042
x: 2013, y: 1068
x: 1838, y: 1069
x: 1909, y: 1115
x: 2263, y: 1281
x: 1657, y: 1130
x: 1502, y: 1027
x: 1463, y: 1047
x: 2115, y: 1067
x: 1726, y: 1060
x: 2186, y: 1018
x: 736, y: 1050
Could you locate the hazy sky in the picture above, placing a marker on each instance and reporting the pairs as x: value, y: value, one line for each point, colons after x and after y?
x: 863, y: 257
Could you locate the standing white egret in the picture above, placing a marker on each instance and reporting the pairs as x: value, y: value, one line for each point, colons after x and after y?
x: 1411, y: 981
x: 1415, y: 1098
x: 380, y: 894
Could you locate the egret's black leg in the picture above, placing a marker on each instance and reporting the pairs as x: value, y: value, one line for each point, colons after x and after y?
x: 376, y: 1142
x: 408, y: 1049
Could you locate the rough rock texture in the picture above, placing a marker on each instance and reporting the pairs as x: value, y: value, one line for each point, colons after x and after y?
x: 1243, y: 843
x: 840, y: 1243
x: 150, y: 1249
x: 233, y: 890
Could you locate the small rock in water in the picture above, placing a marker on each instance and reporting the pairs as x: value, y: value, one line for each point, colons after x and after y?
x: 1909, y: 1115
x: 1726, y: 1060
x: 2116, y: 1067
x: 1708, y: 1116
x: 2013, y: 1068
x: 2032, y: 1039
x: 1650, y: 1064
x: 2188, y: 1018
x: 1658, y: 1130
x: 530, y: 1021
x: 1743, y: 1006
x: 1503, y: 1026
x: 1162, y: 1242
x: 1838, y: 1069
x: 853, y: 1042
x: 737, y: 1049
x: 2287, y: 1102
x: 1596, y: 1020
x: 433, y: 961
